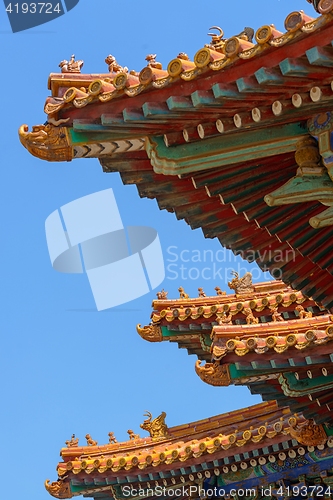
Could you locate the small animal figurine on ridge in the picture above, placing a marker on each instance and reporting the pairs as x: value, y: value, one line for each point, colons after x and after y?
x: 182, y: 294
x: 112, y: 438
x: 132, y: 434
x: 90, y: 441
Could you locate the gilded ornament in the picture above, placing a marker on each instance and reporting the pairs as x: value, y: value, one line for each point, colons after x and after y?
x: 90, y: 441
x: 302, y: 313
x: 47, y: 142
x: 220, y: 63
x: 113, y: 66
x: 157, y: 427
x: 202, y: 58
x: 120, y: 80
x: 74, y: 93
x: 217, y: 42
x: 133, y: 91
x: 231, y: 345
x: 162, y: 295
x: 112, y: 438
x: 325, y: 6
x: 219, y: 291
x: 152, y: 63
x: 73, y: 442
x: 58, y: 489
x: 191, y: 74
x: 180, y: 64
x: 201, y: 292
x: 251, y: 343
x: 146, y: 75
x: 276, y: 316
x: 223, y: 318
x: 107, y: 96
x: 175, y: 68
x: 81, y: 102
x: 271, y: 341
x: 162, y: 82
x: 53, y: 105
x: 231, y: 47
x: 152, y: 333
x: 182, y: 293
x: 322, y: 6
x: 329, y: 331
x: 308, y: 434
x: 284, y: 39
x: 250, y: 318
x: 241, y: 285
x: 291, y: 340
x: 310, y: 335
x: 71, y: 66
x: 265, y: 34
x: 213, y: 373
x: 219, y: 352
x: 294, y: 21
x: 132, y: 436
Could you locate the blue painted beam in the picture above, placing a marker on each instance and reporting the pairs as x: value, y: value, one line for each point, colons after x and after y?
x: 302, y: 69
x: 176, y: 103
x: 320, y: 56
x: 222, y: 91
x: 203, y: 98
x: 271, y: 76
x: 155, y: 109
x: 135, y: 114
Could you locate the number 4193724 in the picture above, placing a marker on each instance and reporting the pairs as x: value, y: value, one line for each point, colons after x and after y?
x: 34, y: 8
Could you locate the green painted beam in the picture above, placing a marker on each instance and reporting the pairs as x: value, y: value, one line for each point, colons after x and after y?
x: 271, y: 76
x: 176, y: 103
x: 223, y: 150
x: 222, y: 92
x: 155, y: 109
x: 302, y: 189
x: 204, y: 98
x: 320, y: 56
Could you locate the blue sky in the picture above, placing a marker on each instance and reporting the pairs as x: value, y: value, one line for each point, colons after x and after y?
x: 67, y: 368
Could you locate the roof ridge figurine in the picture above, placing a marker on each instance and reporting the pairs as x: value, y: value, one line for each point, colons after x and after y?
x: 113, y: 65
x: 217, y: 42
x: 157, y: 427
x: 132, y: 435
x: 151, y: 61
x: 73, y: 442
x: 71, y: 66
x: 241, y: 285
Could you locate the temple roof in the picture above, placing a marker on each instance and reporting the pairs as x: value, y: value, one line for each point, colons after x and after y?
x: 213, y: 139
x: 265, y: 336
x: 191, y: 322
x: 215, y: 447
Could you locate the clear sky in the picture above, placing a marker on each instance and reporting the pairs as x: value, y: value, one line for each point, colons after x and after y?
x: 67, y: 368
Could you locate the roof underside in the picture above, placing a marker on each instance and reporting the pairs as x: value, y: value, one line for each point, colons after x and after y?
x: 220, y: 134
